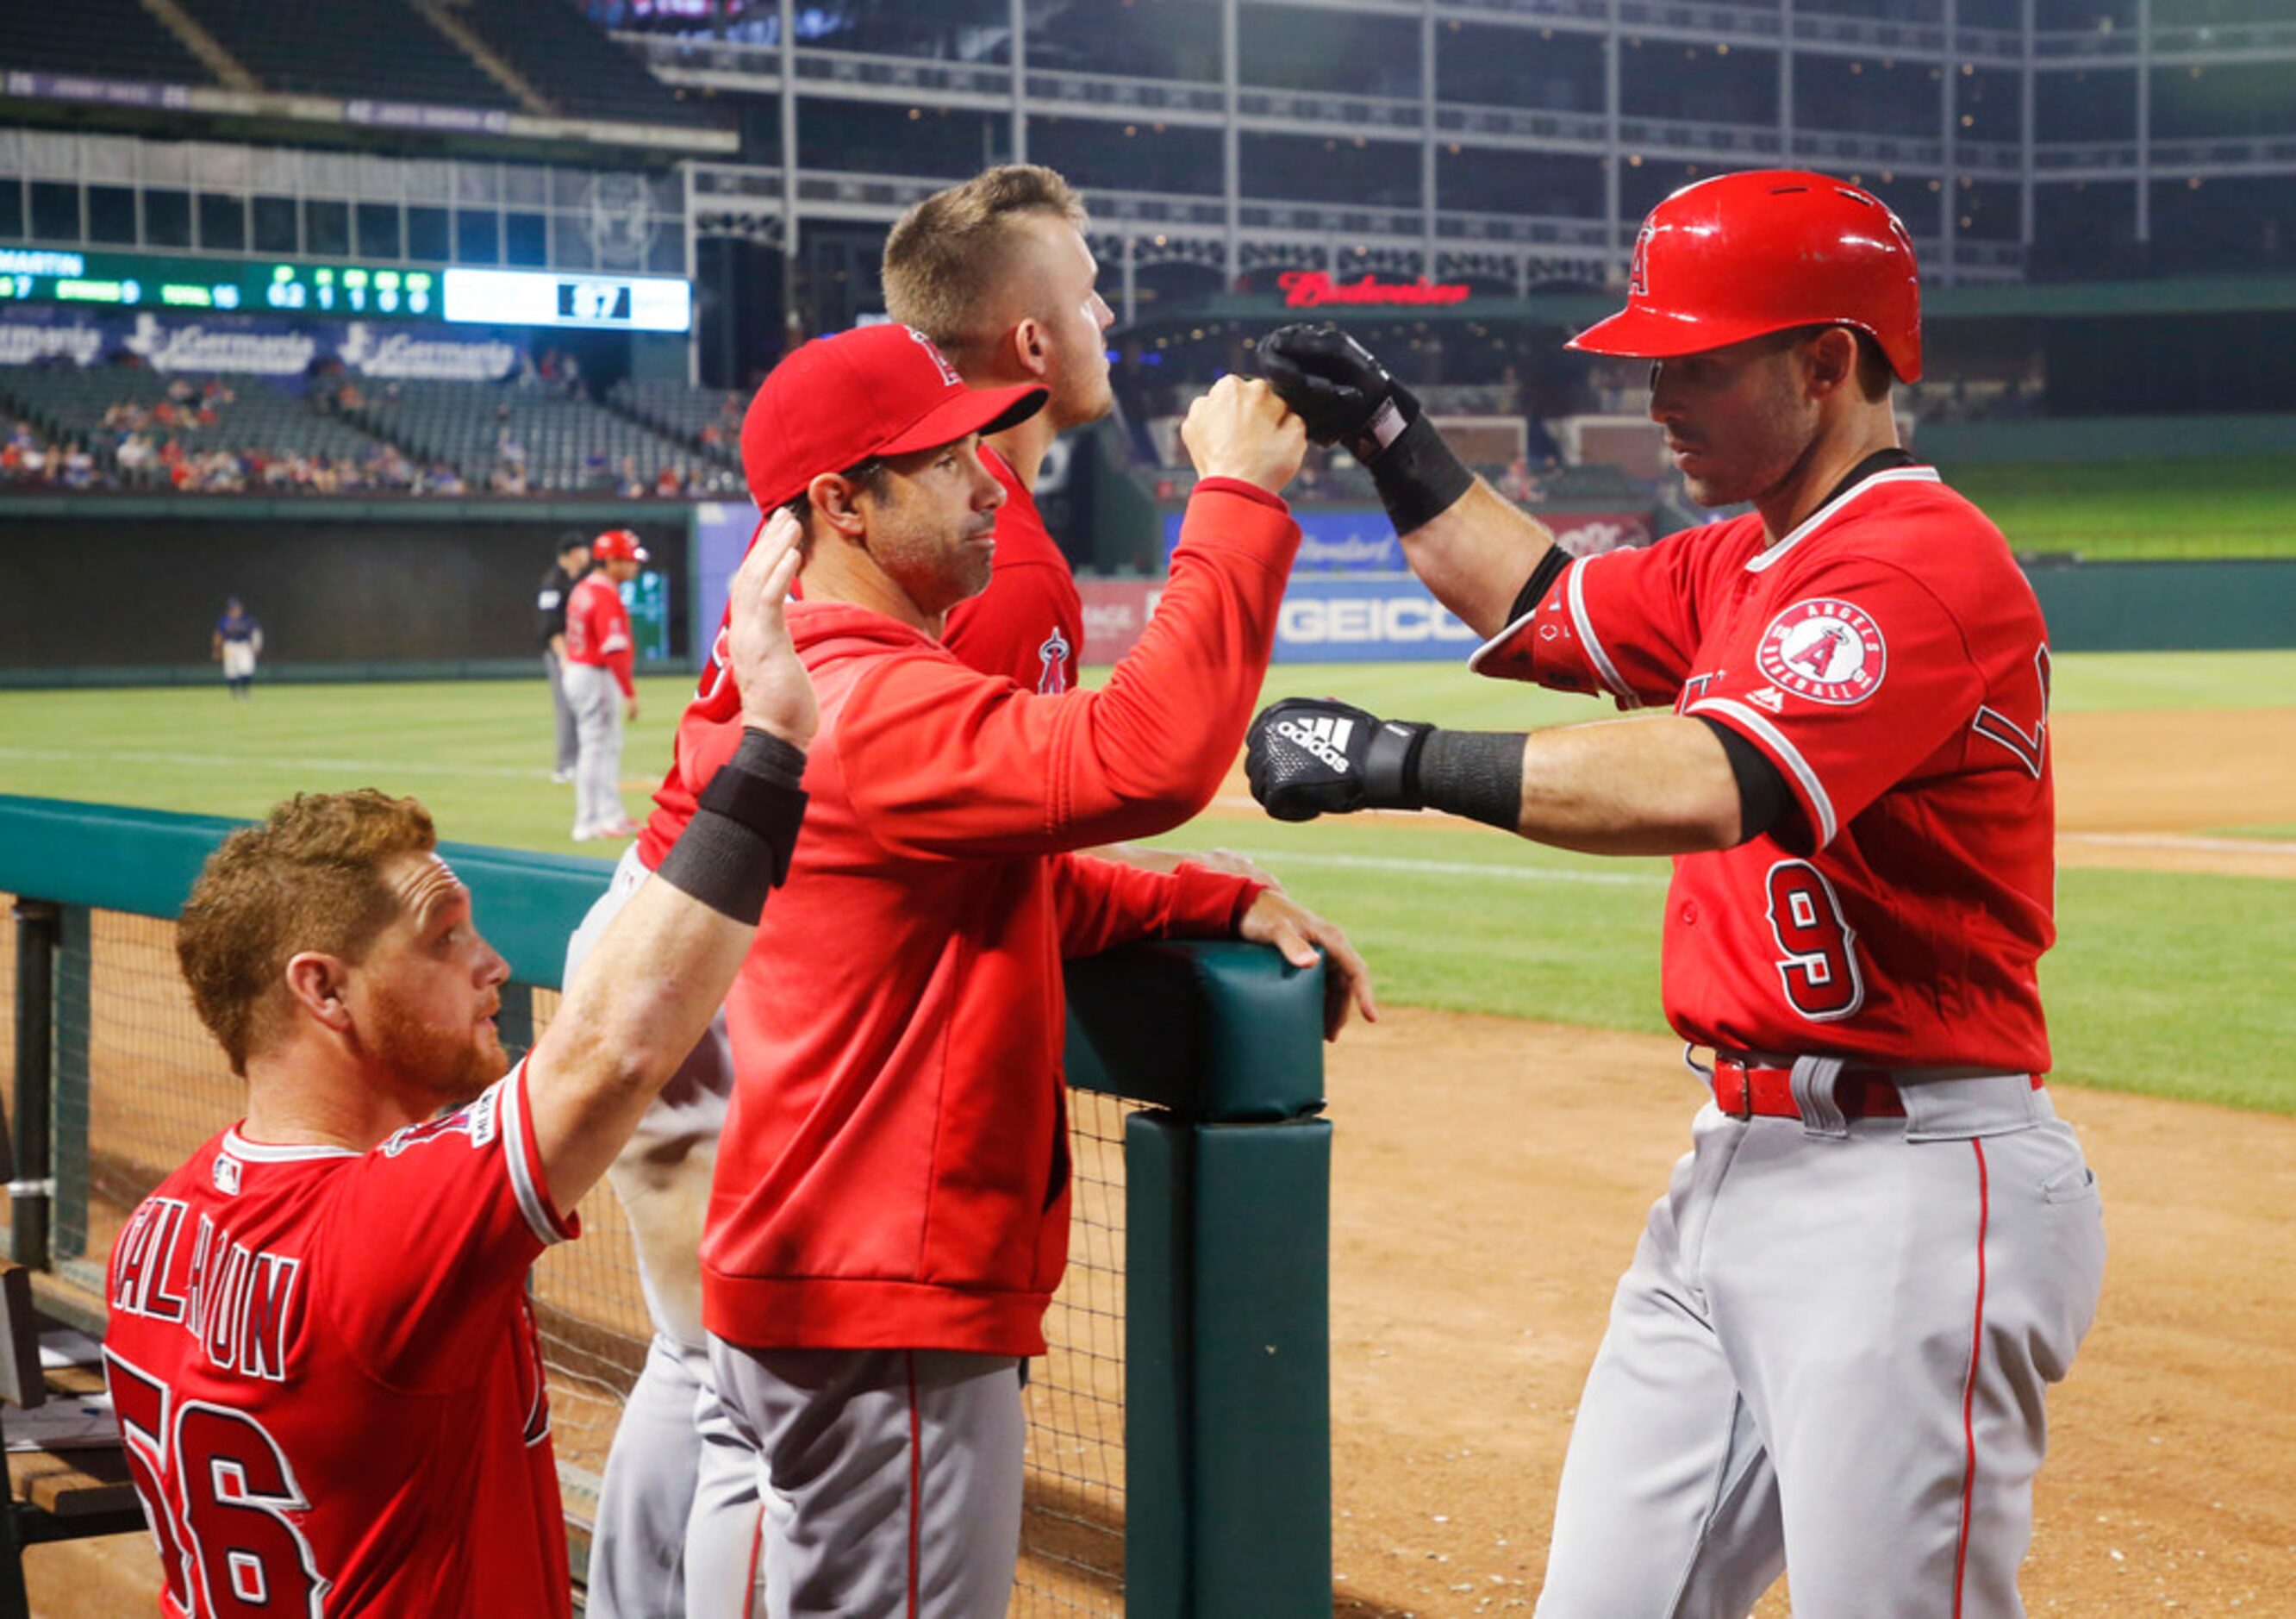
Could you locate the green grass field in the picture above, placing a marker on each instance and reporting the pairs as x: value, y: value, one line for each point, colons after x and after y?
x: 2121, y: 510
x: 2169, y: 984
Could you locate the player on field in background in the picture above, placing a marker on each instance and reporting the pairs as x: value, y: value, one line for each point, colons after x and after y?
x: 599, y: 658
x: 238, y: 643
x: 890, y: 1213
x: 1830, y: 1355
x: 549, y: 599
x: 998, y: 270
x: 325, y: 1371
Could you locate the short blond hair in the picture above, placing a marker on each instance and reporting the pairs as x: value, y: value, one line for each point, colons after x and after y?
x: 948, y: 254
x: 310, y: 878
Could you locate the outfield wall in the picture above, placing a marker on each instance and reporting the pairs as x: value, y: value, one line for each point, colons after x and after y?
x: 1951, y: 444
x: 126, y: 590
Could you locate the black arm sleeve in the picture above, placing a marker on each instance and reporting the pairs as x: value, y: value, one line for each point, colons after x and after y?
x: 1541, y: 581
x: 1763, y: 804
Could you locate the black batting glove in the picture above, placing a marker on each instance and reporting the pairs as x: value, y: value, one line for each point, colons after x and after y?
x: 1311, y: 756
x: 1336, y: 388
x: 1344, y: 396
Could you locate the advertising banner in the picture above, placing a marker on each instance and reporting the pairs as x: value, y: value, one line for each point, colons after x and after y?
x: 1367, y: 620
x: 1115, y: 612
x: 1358, y: 540
x: 269, y: 346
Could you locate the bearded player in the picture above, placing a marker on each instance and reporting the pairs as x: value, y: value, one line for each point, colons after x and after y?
x: 1830, y: 1355
x: 324, y: 1368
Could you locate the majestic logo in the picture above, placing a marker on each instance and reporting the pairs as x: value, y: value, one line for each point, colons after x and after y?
x: 947, y: 372
x: 1770, y: 697
x: 1326, y: 738
x: 227, y: 1175
x: 1824, y: 649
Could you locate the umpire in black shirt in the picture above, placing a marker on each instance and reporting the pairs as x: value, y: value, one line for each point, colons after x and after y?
x: 550, y: 629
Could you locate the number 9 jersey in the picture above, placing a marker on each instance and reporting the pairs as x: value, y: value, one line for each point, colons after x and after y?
x: 328, y: 1380
x: 1888, y: 659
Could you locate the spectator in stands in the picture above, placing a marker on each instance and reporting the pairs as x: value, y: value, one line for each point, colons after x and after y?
x: 238, y: 642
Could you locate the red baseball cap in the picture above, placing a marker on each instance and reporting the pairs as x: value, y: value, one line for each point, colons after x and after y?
x: 874, y: 391
x: 618, y: 545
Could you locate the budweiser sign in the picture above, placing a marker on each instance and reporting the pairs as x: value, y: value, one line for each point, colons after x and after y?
x: 1312, y: 289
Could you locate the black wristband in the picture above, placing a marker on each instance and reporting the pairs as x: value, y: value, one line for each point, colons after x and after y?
x: 1418, y: 477
x: 1474, y: 774
x: 743, y: 833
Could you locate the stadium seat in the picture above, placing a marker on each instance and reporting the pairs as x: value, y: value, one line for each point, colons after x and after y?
x: 107, y: 39
x: 352, y: 48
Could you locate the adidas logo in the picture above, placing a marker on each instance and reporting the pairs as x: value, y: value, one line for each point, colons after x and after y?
x: 1326, y: 738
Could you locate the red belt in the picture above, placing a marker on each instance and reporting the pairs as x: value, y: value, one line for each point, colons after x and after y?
x: 1746, y: 1092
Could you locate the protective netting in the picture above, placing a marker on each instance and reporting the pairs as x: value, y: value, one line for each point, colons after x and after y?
x: 157, y: 1087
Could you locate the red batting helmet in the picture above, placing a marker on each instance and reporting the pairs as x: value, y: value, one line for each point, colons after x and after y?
x: 618, y: 545
x: 1744, y: 254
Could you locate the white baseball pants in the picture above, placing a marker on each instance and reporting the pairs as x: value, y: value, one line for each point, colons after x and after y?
x: 597, y: 705
x: 1829, y: 1358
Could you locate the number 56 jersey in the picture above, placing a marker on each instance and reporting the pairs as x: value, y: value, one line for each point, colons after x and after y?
x: 1888, y: 659
x: 327, y: 1376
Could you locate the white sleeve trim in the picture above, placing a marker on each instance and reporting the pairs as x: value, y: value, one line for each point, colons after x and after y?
x: 517, y: 1141
x: 1787, y: 753
x: 1576, y: 591
x: 1475, y: 658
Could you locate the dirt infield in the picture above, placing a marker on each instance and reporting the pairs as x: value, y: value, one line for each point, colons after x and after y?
x: 1490, y: 1176
x: 1489, y: 1179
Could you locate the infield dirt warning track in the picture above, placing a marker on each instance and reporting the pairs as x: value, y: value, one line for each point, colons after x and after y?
x: 1489, y: 1179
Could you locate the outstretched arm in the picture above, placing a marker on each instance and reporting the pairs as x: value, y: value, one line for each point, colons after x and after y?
x: 1661, y: 786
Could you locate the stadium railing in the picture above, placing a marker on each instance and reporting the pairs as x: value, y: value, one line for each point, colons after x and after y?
x: 1179, y: 1454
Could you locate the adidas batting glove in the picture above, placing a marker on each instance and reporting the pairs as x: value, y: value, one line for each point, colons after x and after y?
x: 1344, y: 396
x: 1311, y: 756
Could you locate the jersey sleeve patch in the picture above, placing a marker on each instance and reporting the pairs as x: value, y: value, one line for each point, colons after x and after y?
x: 1824, y: 649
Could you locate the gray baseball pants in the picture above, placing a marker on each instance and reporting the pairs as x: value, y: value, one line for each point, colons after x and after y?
x: 891, y: 1477
x: 569, y: 739
x: 597, y: 705
x: 1829, y: 1358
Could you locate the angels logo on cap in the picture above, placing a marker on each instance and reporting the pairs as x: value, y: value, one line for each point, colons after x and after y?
x: 1826, y: 650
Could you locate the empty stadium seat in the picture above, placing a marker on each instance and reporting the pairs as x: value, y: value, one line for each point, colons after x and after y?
x: 572, y: 63
x: 351, y: 48
x: 107, y: 38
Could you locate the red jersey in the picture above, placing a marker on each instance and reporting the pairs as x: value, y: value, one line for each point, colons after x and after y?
x: 328, y: 1378
x: 1029, y: 624
x: 1888, y: 658
x: 894, y: 1169
x: 598, y: 628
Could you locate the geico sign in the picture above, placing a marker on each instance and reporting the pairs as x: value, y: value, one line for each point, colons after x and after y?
x: 1399, y: 618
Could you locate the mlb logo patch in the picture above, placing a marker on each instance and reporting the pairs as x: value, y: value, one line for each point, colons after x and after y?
x: 226, y: 1174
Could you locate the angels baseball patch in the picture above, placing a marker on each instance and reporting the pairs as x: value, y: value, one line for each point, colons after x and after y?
x: 1826, y: 650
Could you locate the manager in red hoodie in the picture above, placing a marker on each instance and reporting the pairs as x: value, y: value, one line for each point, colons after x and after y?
x: 890, y: 1212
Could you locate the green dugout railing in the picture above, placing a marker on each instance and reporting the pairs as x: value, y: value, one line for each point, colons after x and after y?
x: 1227, y: 1386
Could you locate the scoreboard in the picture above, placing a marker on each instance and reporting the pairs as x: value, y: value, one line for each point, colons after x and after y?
x: 366, y: 291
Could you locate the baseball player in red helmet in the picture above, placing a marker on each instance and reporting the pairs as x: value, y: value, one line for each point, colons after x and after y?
x: 326, y: 1374
x: 600, y: 656
x: 1830, y: 1355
